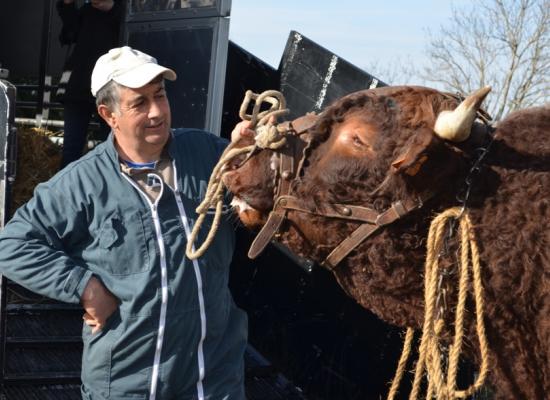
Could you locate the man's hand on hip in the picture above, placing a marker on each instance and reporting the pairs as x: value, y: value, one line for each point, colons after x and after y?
x: 99, y: 303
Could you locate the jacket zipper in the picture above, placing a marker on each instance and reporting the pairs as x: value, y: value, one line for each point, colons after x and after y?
x: 196, y: 268
x: 163, y: 279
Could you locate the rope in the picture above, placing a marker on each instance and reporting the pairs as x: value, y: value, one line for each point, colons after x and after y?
x: 267, y: 137
x: 443, y: 386
x: 402, y: 363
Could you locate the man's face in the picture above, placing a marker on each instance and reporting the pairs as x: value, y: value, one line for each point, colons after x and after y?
x: 142, y: 122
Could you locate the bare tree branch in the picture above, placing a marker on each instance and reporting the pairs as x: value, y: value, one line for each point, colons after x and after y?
x: 502, y: 43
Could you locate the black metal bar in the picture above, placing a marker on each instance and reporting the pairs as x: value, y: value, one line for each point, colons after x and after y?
x: 43, y: 378
x: 33, y: 104
x: 41, y: 341
x: 29, y: 86
x: 43, y: 392
x: 7, y: 106
x: 11, y: 167
x: 2, y: 329
x: 44, y: 47
x: 15, y: 308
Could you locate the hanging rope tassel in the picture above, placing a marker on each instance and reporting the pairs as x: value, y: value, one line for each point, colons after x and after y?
x: 267, y: 136
x: 440, y: 384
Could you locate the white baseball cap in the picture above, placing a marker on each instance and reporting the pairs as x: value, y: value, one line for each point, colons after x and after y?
x: 129, y: 67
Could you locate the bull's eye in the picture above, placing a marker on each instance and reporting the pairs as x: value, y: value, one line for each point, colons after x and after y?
x: 357, y: 141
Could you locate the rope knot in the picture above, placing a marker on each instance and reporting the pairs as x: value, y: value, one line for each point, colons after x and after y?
x: 269, y: 137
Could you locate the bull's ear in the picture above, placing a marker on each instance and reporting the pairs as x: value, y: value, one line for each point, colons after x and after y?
x: 416, y: 153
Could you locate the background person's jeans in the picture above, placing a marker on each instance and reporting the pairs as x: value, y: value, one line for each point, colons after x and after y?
x: 77, y: 117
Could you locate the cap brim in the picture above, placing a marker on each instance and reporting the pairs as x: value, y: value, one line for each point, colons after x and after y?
x: 142, y: 75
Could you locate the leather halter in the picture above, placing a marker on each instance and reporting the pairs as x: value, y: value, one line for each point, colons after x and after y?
x: 291, y: 159
x: 371, y: 220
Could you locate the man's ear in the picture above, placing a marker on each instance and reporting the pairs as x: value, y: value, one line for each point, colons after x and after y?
x: 108, y: 115
x: 416, y: 153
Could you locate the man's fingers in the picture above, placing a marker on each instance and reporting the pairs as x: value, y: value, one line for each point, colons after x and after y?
x: 87, y: 317
x: 246, y: 131
x: 97, y: 328
x: 245, y: 125
x: 242, y: 129
x: 92, y: 322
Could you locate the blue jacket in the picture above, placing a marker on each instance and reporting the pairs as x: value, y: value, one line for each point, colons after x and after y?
x: 177, y: 333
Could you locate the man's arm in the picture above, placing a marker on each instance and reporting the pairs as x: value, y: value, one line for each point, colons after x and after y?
x: 32, y: 249
x: 33, y: 253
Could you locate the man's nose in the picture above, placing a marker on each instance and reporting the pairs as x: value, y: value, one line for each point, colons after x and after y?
x: 155, y: 110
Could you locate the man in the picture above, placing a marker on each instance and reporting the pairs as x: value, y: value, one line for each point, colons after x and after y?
x: 109, y: 231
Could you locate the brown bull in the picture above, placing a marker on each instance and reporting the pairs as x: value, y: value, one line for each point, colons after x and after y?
x: 378, y: 148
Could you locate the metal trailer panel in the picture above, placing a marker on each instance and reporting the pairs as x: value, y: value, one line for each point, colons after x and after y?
x: 30, y: 29
x: 7, y: 175
x: 8, y: 135
x: 312, y: 77
x: 154, y: 10
x: 244, y: 72
x: 196, y: 49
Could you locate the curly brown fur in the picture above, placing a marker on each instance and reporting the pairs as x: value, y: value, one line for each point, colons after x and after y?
x: 509, y: 205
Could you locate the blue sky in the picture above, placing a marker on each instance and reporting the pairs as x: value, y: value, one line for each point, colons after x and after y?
x: 360, y: 31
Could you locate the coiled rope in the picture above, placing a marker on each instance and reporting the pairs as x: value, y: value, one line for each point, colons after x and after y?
x: 267, y: 136
x: 430, y: 353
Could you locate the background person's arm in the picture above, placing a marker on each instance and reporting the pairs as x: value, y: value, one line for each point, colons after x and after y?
x: 69, y: 16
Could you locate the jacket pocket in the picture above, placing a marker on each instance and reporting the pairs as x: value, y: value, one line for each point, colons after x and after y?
x: 123, y: 246
x: 96, y: 355
x: 132, y: 357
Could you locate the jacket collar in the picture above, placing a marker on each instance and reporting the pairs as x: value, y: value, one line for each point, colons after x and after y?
x: 113, y: 153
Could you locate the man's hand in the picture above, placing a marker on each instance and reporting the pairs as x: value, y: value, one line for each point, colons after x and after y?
x: 98, y: 303
x: 241, y: 130
x: 103, y: 5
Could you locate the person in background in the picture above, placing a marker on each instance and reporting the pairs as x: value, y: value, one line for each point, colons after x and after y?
x: 89, y: 31
x: 109, y: 232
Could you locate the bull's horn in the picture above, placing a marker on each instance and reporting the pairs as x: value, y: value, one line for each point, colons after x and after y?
x: 456, y: 125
